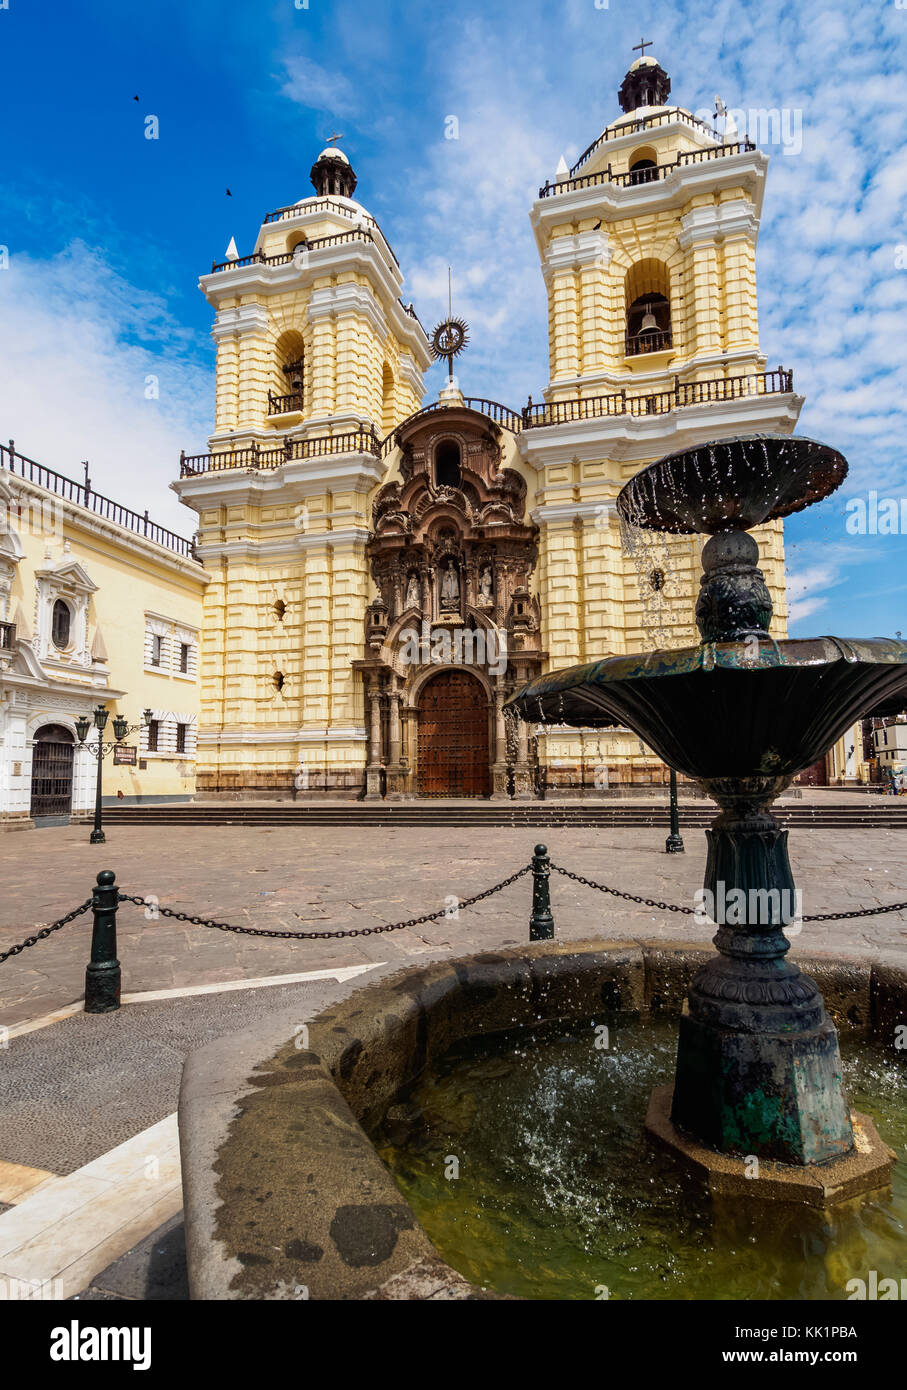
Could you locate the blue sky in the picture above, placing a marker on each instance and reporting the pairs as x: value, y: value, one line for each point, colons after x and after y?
x: 108, y: 232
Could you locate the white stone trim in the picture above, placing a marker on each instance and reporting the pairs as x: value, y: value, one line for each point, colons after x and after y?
x: 716, y: 223
x: 646, y: 437
x: 570, y: 253
x: 612, y: 202
x: 241, y: 321
x: 337, y: 301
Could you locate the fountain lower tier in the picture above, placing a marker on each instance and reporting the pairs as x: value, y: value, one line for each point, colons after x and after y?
x: 758, y: 1068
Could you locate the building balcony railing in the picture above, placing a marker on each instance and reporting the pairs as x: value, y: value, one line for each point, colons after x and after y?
x: 287, y: 257
x: 655, y: 340
x: 282, y: 405
x: 362, y: 441
x: 501, y: 414
x: 7, y: 637
x: 683, y: 393
x: 366, y: 441
x: 84, y: 495
x: 633, y: 178
x: 317, y: 205
x: 669, y: 117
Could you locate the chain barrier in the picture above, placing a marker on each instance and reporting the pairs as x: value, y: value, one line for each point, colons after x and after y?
x: 323, y: 935
x: 46, y: 931
x: 689, y: 911
x: 616, y: 893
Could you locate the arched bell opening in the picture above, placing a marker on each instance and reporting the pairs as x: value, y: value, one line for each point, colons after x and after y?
x: 648, y: 308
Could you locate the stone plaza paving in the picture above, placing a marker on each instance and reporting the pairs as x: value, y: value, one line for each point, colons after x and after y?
x: 324, y: 878
x: 80, y: 1090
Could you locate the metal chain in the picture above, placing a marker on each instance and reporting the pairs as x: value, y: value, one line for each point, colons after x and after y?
x: 689, y: 911
x: 323, y: 935
x: 859, y: 912
x: 615, y: 892
x: 46, y: 931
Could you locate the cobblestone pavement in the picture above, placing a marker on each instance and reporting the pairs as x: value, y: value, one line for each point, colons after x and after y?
x: 326, y: 878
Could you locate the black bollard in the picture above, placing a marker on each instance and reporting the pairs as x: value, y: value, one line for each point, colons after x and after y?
x: 102, y: 974
x: 541, y: 923
x: 674, y: 842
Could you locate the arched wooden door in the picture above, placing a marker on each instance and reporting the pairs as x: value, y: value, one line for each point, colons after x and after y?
x: 51, y: 772
x: 453, y: 736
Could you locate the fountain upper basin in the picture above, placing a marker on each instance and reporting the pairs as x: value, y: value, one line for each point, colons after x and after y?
x: 693, y: 708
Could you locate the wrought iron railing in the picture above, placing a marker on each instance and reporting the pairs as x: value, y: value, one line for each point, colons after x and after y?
x: 633, y: 177
x: 282, y: 405
x: 362, y: 441
x: 683, y: 393
x: 316, y: 205
x: 286, y: 257
x: 84, y: 495
x: 672, y: 116
x: 653, y: 340
x: 502, y: 415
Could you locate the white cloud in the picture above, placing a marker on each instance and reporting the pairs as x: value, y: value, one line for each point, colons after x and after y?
x: 328, y: 92
x: 81, y: 345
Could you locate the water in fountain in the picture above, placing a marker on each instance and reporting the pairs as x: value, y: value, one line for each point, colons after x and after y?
x: 559, y: 1195
x: 661, y: 569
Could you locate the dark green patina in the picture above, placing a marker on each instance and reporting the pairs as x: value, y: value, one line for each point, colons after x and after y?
x: 758, y: 1069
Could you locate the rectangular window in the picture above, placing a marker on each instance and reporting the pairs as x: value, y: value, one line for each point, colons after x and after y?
x: 181, y: 738
x: 184, y: 657
x: 154, y: 731
x: 157, y: 649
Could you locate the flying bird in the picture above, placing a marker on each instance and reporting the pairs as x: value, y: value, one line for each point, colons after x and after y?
x: 229, y: 194
x: 135, y: 98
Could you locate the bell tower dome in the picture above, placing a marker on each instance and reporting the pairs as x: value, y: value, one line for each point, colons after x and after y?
x: 332, y: 174
x: 646, y: 84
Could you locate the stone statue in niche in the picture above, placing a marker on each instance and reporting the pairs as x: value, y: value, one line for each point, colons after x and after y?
x: 486, y: 586
x: 413, y: 592
x: 450, y: 587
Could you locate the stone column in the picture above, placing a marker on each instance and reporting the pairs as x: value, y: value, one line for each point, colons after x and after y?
x: 522, y: 773
x: 499, y: 790
x: 395, y: 780
x: 373, y: 771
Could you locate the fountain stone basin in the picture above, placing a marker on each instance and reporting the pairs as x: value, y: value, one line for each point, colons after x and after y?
x: 285, y: 1193
x: 758, y: 1068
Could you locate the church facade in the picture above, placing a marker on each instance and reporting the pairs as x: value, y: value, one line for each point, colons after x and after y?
x: 383, y: 574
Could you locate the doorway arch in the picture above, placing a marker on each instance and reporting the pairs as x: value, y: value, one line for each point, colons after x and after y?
x: 453, y: 744
x: 53, y: 749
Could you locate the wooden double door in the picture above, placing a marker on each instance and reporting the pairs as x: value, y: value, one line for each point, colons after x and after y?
x: 453, y: 752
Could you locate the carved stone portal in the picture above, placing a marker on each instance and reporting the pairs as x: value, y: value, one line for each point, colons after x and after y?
x: 452, y: 566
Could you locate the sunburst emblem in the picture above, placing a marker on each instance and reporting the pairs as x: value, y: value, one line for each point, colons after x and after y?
x: 449, y: 339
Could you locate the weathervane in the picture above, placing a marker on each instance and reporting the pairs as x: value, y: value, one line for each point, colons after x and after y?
x: 451, y: 335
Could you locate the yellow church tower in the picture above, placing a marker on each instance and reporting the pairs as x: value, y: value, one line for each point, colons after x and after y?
x: 385, y: 575
x: 317, y: 358
x: 648, y: 250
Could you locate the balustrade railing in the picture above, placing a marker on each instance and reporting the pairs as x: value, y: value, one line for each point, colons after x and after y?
x: 683, y: 393
x: 287, y: 451
x: 653, y: 340
x: 632, y: 178
x: 672, y: 116
x: 84, y: 495
x: 298, y: 253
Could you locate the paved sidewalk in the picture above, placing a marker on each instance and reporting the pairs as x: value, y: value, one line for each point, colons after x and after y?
x: 325, y: 878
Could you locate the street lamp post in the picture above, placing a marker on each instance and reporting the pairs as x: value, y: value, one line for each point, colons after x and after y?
x: 674, y: 842
x: 120, y: 729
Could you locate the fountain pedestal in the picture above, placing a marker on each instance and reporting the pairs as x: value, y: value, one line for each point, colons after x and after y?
x: 758, y: 1067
